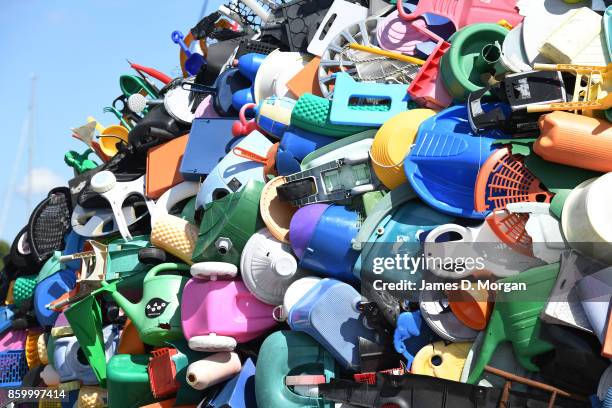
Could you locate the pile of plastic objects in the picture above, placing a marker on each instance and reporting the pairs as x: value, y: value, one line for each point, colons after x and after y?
x: 264, y: 230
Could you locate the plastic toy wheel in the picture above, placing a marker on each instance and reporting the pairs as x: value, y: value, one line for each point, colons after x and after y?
x: 152, y: 256
x: 296, y: 190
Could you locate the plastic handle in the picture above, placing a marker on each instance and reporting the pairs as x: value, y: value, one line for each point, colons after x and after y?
x: 164, y: 267
x: 192, y: 87
x: 247, y: 154
x: 118, y: 115
x: 160, y: 76
x: 466, y: 235
x: 177, y: 38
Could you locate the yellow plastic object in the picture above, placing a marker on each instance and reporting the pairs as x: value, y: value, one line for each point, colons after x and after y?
x: 91, y: 397
x: 62, y: 331
x: 10, y: 299
x: 175, y: 236
x: 441, y: 360
x: 31, y: 348
x: 506, y: 24
x: 99, y: 127
x: 110, y: 136
x: 41, y: 344
x: 393, y: 142
x: 49, y: 403
x: 593, y: 89
x: 389, y: 54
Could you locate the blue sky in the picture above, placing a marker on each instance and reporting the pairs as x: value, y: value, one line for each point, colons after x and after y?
x: 78, y: 50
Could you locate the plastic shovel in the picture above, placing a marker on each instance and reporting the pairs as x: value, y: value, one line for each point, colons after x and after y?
x: 194, y: 60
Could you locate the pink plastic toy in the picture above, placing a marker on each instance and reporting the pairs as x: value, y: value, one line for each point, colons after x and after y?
x: 13, y: 340
x: 395, y: 34
x: 465, y: 12
x: 218, y: 314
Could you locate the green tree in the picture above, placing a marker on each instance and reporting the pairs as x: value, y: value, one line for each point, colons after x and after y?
x: 5, y: 248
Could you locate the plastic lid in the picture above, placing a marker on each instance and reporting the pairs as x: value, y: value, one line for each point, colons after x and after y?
x: 267, y: 267
x: 103, y: 181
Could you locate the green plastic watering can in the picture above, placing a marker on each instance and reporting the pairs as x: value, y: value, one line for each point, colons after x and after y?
x: 157, y: 316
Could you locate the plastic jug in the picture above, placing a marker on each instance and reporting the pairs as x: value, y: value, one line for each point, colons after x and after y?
x: 287, y: 353
x: 128, y: 381
x: 575, y: 140
x: 71, y: 364
x: 157, y: 315
x: 50, y: 289
x: 329, y: 313
x: 267, y: 267
x: 516, y: 318
x: 218, y: 314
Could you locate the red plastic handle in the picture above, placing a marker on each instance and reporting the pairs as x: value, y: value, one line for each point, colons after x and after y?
x: 160, y: 76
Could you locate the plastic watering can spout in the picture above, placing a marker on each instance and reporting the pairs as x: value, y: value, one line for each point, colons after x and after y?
x: 128, y: 307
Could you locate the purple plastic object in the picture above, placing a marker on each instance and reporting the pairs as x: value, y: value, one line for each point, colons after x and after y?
x: 61, y: 321
x: 13, y: 340
x: 395, y: 34
x: 302, y: 226
x: 206, y: 110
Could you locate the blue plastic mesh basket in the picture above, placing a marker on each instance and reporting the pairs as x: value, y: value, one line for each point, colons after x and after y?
x: 13, y: 367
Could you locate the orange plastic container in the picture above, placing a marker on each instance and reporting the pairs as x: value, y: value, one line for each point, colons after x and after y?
x: 163, y: 164
x: 575, y: 140
x: 129, y: 342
